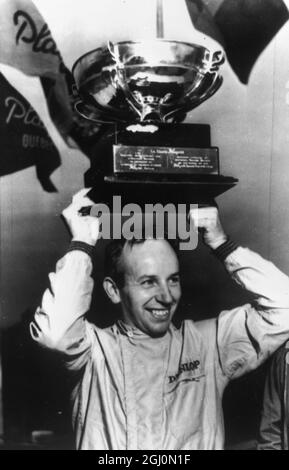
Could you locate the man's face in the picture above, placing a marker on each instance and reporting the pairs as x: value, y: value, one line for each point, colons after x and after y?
x: 151, y: 290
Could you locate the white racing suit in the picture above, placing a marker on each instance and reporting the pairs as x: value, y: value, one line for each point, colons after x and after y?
x: 132, y: 391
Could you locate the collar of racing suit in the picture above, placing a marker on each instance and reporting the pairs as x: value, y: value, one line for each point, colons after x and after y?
x: 134, y: 332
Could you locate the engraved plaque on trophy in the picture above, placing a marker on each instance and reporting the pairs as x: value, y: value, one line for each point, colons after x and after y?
x: 165, y: 160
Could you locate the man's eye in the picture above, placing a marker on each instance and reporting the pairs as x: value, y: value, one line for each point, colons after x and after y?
x: 175, y: 280
x: 148, y: 283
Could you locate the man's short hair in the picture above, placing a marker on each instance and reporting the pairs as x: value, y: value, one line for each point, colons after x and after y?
x: 112, y: 263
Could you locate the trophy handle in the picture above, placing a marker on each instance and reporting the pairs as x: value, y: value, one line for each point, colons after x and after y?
x: 217, y: 60
x: 89, y: 113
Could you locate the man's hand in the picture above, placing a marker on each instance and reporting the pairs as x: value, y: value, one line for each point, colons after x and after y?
x: 207, y: 220
x: 84, y: 228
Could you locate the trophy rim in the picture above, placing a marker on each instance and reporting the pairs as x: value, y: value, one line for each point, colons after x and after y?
x: 160, y: 40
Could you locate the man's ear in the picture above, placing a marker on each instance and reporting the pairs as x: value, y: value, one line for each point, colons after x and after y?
x: 111, y: 290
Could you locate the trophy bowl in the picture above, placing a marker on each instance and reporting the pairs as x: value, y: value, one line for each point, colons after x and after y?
x: 149, y: 80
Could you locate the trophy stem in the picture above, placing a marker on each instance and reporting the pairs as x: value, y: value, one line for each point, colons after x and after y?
x: 160, y: 19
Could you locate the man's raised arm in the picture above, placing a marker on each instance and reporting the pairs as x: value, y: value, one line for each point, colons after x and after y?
x: 248, y: 334
x: 59, y: 322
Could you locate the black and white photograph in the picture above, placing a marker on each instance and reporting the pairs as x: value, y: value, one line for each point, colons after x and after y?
x: 144, y: 221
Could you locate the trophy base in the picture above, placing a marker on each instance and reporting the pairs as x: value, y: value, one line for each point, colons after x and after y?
x: 175, y: 163
x: 200, y: 190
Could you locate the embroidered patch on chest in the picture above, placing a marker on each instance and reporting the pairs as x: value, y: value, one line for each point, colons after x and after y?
x: 189, y: 370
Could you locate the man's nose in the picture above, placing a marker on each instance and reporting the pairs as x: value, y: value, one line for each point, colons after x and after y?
x: 164, y: 294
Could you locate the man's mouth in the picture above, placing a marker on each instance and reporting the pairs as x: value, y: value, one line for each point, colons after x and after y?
x: 160, y: 314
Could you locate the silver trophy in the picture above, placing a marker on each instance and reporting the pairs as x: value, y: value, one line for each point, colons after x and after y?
x: 144, y: 89
x: 147, y: 80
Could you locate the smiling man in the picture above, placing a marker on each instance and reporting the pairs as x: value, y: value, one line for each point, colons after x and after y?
x: 149, y: 290
x: 143, y: 383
